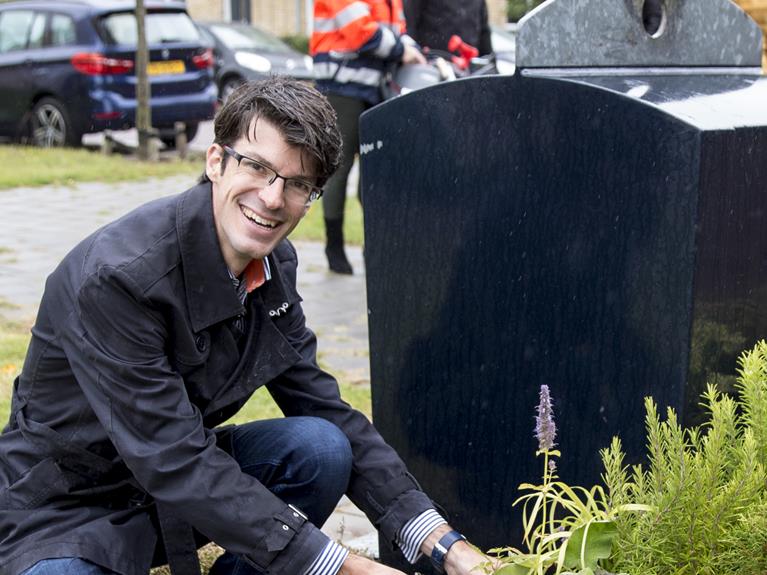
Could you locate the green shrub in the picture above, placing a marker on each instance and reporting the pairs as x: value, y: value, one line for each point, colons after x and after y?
x: 699, y: 506
x: 704, y: 486
x: 515, y: 9
x: 297, y: 42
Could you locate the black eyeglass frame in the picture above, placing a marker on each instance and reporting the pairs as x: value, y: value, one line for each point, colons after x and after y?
x: 315, y: 192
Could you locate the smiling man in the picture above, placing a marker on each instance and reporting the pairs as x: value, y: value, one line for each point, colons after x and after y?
x: 159, y: 327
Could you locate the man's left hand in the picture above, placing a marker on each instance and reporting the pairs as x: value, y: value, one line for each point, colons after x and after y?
x: 461, y: 558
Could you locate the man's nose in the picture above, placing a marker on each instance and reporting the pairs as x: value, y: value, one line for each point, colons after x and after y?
x: 273, y: 195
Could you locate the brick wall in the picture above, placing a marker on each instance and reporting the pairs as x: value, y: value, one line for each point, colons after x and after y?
x: 281, y: 17
x: 205, y: 9
x: 496, y: 11
x: 287, y: 17
x: 276, y: 16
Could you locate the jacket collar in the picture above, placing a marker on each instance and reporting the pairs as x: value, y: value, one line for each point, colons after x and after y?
x: 210, y: 296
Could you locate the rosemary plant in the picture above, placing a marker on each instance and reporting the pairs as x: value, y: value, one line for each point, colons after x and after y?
x: 704, y: 486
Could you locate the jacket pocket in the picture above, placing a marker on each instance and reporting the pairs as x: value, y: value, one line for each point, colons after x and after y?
x: 39, y: 483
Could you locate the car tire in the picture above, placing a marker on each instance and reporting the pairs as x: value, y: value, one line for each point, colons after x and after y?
x: 228, y: 86
x: 51, y: 126
x: 168, y: 135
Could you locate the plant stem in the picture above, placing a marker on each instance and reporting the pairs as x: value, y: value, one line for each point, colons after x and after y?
x: 546, y: 480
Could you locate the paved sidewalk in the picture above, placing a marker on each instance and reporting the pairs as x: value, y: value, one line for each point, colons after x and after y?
x: 40, y: 225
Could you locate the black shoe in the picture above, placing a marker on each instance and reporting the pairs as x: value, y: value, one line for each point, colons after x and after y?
x: 334, y: 248
x: 337, y: 261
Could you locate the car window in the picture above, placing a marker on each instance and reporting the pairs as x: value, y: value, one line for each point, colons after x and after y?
x: 15, y: 26
x: 37, y: 31
x: 161, y: 27
x: 63, y: 30
x: 247, y: 38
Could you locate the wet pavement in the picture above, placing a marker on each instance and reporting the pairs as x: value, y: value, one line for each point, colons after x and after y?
x: 40, y: 225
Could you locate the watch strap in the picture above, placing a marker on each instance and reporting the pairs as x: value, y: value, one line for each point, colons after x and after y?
x: 441, y: 548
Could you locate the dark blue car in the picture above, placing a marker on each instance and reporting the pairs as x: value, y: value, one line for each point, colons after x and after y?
x: 68, y: 68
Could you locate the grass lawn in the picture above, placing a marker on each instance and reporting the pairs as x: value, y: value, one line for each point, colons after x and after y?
x: 312, y: 226
x: 39, y: 167
x: 63, y: 166
x: 13, y: 346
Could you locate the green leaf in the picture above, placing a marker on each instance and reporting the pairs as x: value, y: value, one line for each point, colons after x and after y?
x: 590, y: 543
x: 512, y: 570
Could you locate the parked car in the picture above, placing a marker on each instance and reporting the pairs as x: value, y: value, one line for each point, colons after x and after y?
x: 68, y: 68
x: 244, y: 52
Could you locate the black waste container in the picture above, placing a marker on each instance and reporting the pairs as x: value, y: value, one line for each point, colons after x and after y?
x: 595, y: 222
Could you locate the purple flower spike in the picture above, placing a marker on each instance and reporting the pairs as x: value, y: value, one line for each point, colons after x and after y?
x: 545, y: 429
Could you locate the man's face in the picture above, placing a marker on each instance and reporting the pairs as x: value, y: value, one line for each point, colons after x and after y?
x: 252, y: 219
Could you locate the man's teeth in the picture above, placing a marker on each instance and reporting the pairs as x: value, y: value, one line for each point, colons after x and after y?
x: 251, y: 215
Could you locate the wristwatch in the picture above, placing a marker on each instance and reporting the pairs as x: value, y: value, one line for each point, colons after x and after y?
x: 442, y: 547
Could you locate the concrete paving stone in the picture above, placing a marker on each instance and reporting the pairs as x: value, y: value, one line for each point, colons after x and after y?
x: 349, y: 526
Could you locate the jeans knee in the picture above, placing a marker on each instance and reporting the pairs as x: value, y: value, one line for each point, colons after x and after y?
x: 328, y: 446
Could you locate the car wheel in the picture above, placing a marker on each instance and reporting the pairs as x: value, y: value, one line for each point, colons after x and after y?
x: 51, y: 126
x: 228, y: 86
x: 168, y: 135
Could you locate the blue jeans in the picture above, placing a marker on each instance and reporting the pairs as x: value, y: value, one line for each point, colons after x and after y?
x: 305, y: 461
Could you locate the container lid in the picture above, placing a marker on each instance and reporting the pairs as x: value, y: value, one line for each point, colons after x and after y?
x: 639, y: 33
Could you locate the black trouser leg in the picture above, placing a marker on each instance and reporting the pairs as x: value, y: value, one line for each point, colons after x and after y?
x: 348, y: 111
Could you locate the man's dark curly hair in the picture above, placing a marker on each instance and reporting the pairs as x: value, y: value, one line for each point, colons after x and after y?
x: 301, y: 114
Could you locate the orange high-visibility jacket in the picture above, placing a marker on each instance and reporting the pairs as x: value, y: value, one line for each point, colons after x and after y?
x: 353, y: 41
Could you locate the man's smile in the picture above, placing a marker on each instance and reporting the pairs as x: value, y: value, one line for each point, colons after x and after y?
x: 255, y: 218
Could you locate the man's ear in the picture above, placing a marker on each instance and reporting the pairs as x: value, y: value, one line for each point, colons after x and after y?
x: 213, y: 159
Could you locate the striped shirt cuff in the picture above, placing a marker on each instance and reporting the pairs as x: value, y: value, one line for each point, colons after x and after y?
x: 414, y: 533
x: 329, y: 561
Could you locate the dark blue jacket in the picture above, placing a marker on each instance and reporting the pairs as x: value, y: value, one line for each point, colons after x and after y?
x: 131, y: 365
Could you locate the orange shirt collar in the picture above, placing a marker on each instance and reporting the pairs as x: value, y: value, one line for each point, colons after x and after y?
x: 254, y: 275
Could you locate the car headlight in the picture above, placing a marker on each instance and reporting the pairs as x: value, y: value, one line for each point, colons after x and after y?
x: 253, y: 61
x: 309, y: 63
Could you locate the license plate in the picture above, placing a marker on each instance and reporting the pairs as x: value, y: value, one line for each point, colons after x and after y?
x: 166, y: 67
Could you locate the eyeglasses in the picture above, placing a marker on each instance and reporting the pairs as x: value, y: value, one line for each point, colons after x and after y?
x: 297, y: 191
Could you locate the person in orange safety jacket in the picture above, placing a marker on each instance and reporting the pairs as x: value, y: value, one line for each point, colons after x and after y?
x: 352, y: 43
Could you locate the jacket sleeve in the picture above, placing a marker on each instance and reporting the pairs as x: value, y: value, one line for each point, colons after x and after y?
x: 347, y: 26
x: 380, y: 484
x: 115, y: 342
